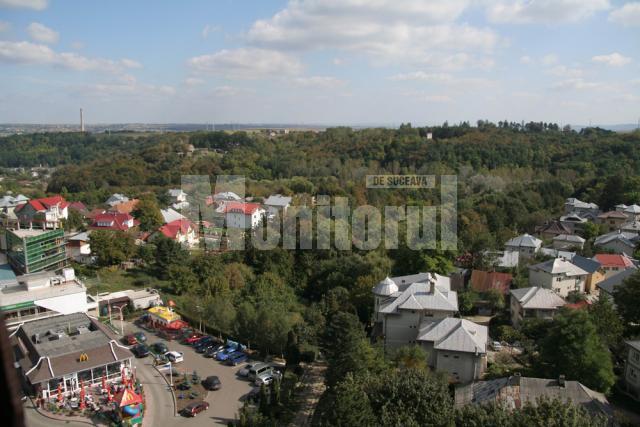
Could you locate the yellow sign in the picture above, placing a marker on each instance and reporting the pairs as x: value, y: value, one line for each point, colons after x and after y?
x: 83, y: 357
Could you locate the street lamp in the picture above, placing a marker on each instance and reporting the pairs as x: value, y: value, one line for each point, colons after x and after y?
x: 199, y: 310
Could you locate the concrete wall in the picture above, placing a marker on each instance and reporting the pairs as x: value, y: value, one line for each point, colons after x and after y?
x: 402, y: 328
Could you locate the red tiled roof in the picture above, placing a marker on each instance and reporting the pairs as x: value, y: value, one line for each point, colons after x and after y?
x: 239, y: 207
x: 613, y: 214
x: 483, y: 281
x: 79, y: 206
x: 172, y: 228
x: 613, y: 260
x: 578, y: 305
x: 119, y: 221
x: 44, y: 203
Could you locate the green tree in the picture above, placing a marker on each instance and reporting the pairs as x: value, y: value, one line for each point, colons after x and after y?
x: 607, y: 322
x: 148, y: 213
x: 75, y: 221
x: 410, y: 356
x: 627, y: 299
x: 112, y: 247
x: 168, y: 253
x: 495, y: 299
x: 466, y: 301
x: 572, y: 333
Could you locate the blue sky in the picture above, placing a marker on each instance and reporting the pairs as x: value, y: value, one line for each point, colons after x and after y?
x: 320, y: 61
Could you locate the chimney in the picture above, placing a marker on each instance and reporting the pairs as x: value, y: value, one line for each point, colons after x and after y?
x: 81, y: 121
x: 561, y: 382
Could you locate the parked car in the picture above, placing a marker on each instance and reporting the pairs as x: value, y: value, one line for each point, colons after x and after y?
x: 159, y: 348
x: 192, y: 338
x: 267, y: 378
x: 175, y: 356
x: 237, y: 358
x: 244, y: 371
x: 212, y: 383
x: 130, y: 339
x: 170, y: 334
x: 203, y: 344
x: 140, y: 337
x: 211, y: 351
x: 193, y: 409
x: 224, y: 354
x: 496, y: 346
x: 258, y: 370
x: 140, y: 350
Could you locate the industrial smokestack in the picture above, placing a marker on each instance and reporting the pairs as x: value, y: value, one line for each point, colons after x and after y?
x: 81, y: 121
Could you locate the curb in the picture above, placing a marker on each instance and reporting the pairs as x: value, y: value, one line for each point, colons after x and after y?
x: 65, y: 419
x: 173, y: 395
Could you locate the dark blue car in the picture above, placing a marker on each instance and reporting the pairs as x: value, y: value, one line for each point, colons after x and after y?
x: 236, y: 358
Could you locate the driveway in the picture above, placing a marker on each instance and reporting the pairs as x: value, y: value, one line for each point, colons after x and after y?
x: 225, y: 403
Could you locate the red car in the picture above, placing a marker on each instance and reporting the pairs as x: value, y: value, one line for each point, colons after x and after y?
x: 193, y: 338
x: 193, y: 409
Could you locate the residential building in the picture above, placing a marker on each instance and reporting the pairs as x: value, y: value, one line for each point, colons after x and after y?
x: 455, y: 346
x: 243, y: 215
x: 612, y: 220
x: 584, y: 209
x: 594, y: 270
x: 484, y: 281
x: 553, y: 229
x: 608, y: 286
x: 178, y: 198
x: 8, y: 203
x: 7, y: 276
x: 557, y: 253
x: 46, y: 213
x: 503, y: 259
x: 65, y: 351
x: 116, y: 199
x: 558, y: 274
x: 43, y: 294
x: 613, y: 264
x: 526, y: 245
x: 402, y: 303
x: 534, y: 302
x: 619, y: 242
x: 226, y: 196
x: 515, y: 391
x: 78, y: 247
x: 113, y: 221
x: 181, y: 231
x: 568, y: 241
x: 573, y: 221
x: 631, y: 227
x: 30, y: 250
x: 277, y: 204
x: 125, y: 207
x: 170, y: 215
x: 633, y: 212
x: 632, y: 368
x: 621, y: 207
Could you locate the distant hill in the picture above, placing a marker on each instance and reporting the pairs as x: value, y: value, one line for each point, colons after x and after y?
x: 625, y: 127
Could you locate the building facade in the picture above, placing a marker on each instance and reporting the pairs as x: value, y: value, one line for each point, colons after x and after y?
x: 632, y: 368
x: 534, y: 302
x: 31, y: 250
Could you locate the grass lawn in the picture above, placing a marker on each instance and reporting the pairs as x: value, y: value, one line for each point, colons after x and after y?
x: 112, y: 280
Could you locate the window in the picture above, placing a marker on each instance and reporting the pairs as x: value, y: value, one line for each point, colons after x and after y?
x: 635, y: 356
x: 456, y: 357
x: 445, y: 356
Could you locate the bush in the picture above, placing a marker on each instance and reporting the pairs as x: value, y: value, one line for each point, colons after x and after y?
x: 308, y: 356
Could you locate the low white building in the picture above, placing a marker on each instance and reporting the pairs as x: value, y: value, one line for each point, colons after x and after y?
x: 401, y: 304
x: 40, y: 295
x: 178, y: 198
x: 534, y: 302
x: 277, y: 204
x: 78, y: 247
x: 244, y: 216
x: 572, y: 205
x: 526, y: 245
x: 568, y: 241
x: 116, y: 199
x: 455, y: 346
x: 558, y: 274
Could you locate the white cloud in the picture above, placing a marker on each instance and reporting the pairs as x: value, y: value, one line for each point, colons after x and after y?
x: 4, y: 26
x: 385, y: 29
x: 193, y: 81
x: 526, y: 59
x: 247, y: 63
x: 124, y: 87
x: 77, y: 45
x: 208, y: 29
x: 337, y: 61
x: 564, y: 71
x: 577, y: 84
x: 42, y: 33
x: 24, y: 52
x: 550, y: 59
x: 544, y: 11
x: 438, y: 98
x: 628, y: 15
x: 319, y: 81
x: 422, y: 76
x: 613, y: 59
x: 229, y: 91
x: 27, y: 4
x: 130, y: 63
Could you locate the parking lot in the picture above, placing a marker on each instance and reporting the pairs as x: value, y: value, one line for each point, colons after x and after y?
x: 225, y: 402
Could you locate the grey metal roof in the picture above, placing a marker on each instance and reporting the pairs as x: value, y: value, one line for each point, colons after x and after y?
x: 557, y: 253
x: 169, y: 215
x: 635, y: 344
x: 525, y: 240
x: 579, y: 204
x: 623, y: 236
x: 572, y: 238
x: 587, y: 264
x: 278, y: 200
x: 386, y: 287
x: 610, y: 284
x: 559, y: 266
x: 535, y: 297
x: 454, y: 335
x: 418, y: 295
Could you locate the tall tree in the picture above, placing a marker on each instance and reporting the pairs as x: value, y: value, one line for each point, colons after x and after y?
x: 148, y: 213
x: 627, y: 299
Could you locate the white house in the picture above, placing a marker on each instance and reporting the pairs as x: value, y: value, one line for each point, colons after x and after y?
x: 633, y: 212
x: 558, y: 274
x: 584, y: 209
x: 277, y: 204
x: 178, y: 198
x: 526, y: 245
x: 455, y: 346
x: 243, y: 215
x: 43, y: 213
x: 170, y: 215
x: 116, y: 199
x: 534, y: 302
x: 8, y: 203
x: 632, y: 368
x: 567, y: 241
x: 402, y: 303
x: 181, y: 231
x: 78, y: 247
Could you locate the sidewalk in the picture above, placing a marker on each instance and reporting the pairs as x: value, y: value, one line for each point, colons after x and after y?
x: 312, y: 389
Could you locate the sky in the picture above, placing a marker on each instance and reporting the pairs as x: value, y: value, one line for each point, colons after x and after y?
x: 351, y: 62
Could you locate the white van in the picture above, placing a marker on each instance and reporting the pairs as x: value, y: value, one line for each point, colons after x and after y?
x: 259, y: 369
